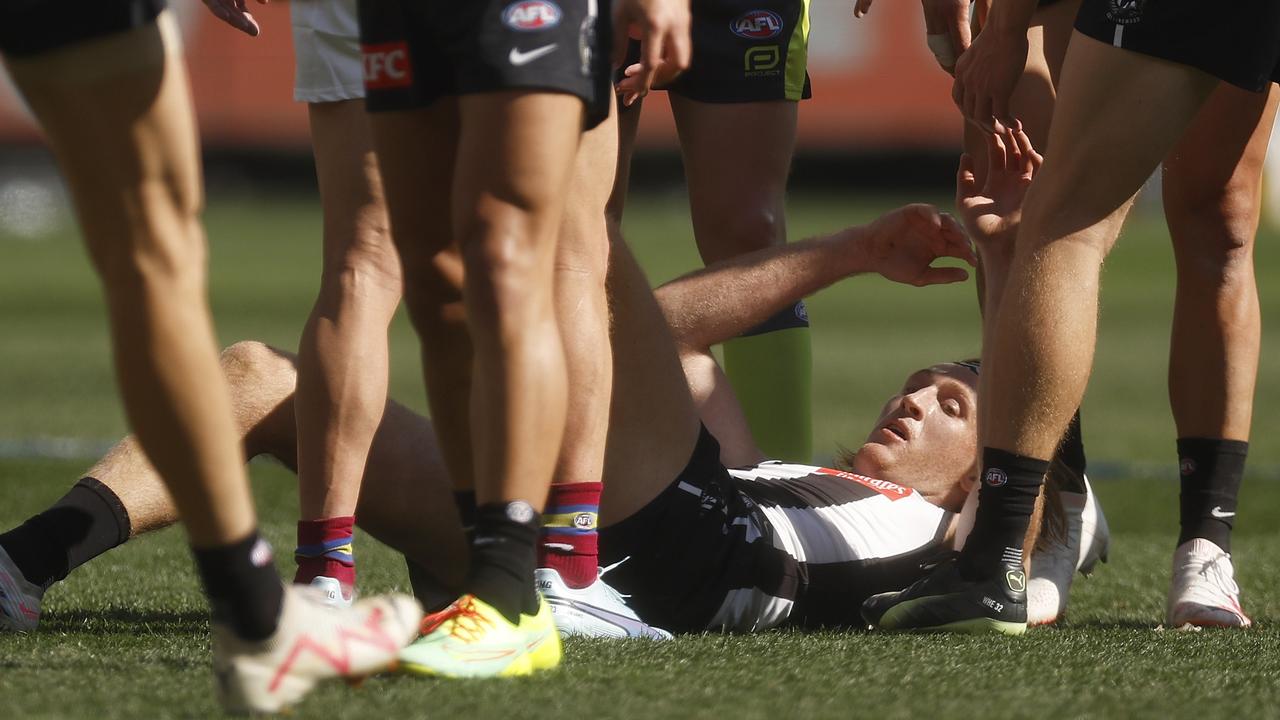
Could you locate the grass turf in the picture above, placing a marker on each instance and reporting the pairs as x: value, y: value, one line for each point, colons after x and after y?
x: 126, y: 636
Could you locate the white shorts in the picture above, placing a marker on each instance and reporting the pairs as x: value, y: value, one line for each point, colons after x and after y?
x: 326, y: 48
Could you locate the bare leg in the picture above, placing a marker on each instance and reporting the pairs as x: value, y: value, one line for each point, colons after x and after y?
x: 515, y: 161
x: 134, y: 174
x: 342, y: 360
x: 582, y: 260
x: 738, y: 204
x: 404, y: 500
x: 1212, y: 198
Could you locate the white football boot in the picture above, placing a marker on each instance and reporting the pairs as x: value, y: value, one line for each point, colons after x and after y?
x: 596, y: 611
x: 312, y: 642
x: 1088, y: 540
x: 1204, y: 591
x: 19, y: 599
x: 330, y: 592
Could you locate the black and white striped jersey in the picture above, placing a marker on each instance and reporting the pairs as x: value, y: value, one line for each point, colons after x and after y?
x: 842, y: 537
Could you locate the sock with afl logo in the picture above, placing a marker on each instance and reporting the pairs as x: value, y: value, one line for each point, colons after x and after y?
x: 1006, y: 499
x: 502, y: 557
x: 569, y: 541
x: 242, y: 586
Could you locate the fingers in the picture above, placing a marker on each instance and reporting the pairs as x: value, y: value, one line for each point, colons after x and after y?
x: 861, y: 8
x: 958, y: 27
x: 233, y: 13
x: 1032, y: 160
x: 996, y: 156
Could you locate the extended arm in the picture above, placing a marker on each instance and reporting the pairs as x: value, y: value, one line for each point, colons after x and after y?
x: 729, y: 298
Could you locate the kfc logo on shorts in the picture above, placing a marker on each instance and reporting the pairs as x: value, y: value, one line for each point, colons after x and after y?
x: 1125, y: 12
x: 387, y: 66
x: 531, y: 15
x: 757, y: 25
x: 995, y: 477
x: 1187, y: 466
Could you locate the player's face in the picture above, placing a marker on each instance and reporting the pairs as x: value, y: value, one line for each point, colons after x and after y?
x: 927, y: 434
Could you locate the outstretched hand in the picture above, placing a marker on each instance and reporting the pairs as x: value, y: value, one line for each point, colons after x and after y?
x: 236, y: 14
x: 992, y: 213
x: 636, y: 83
x: 903, y: 244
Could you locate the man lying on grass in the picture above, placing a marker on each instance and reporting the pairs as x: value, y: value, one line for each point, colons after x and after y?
x: 714, y: 535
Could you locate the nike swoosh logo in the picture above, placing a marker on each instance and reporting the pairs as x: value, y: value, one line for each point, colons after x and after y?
x: 1217, y: 512
x: 633, y: 627
x: 519, y: 58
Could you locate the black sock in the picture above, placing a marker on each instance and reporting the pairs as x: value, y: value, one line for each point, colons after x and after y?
x: 1211, y: 472
x: 1071, y: 452
x: 503, y: 557
x: 88, y: 521
x: 243, y: 588
x: 466, y: 502
x: 1010, y: 484
x: 429, y: 591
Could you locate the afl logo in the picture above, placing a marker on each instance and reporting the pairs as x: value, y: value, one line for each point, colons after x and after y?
x: 1125, y: 12
x: 531, y: 15
x: 757, y: 25
x: 1187, y: 466
x: 584, y: 521
x: 995, y: 477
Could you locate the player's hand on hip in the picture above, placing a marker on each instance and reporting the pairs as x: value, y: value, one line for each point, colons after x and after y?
x: 986, y: 75
x: 902, y: 245
x: 663, y: 29
x: 236, y: 14
x: 992, y: 213
x: 947, y: 28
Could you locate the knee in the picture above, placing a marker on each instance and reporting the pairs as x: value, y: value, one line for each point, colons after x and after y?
x: 502, y: 259
x: 1213, y: 229
x: 369, y: 266
x: 254, y: 367
x: 742, y: 228
x: 163, y: 250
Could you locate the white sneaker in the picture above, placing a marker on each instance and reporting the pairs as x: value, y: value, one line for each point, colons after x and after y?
x: 596, y: 611
x: 1204, y: 591
x: 19, y: 599
x: 330, y: 592
x: 312, y: 642
x: 1088, y: 540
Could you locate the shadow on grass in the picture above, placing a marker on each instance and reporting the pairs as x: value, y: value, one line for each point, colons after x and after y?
x: 126, y: 621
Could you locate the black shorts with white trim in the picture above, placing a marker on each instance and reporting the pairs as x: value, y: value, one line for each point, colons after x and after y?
x: 1236, y: 41
x: 418, y: 51
x: 31, y: 27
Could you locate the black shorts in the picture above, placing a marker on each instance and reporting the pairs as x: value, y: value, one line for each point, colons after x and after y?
x: 745, y: 52
x: 689, y: 547
x: 31, y: 27
x: 1237, y: 41
x: 417, y: 51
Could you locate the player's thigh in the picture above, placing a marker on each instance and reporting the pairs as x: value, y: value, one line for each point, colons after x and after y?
x: 139, y: 151
x: 584, y: 242
x: 737, y: 157
x: 1118, y: 114
x: 355, y: 212
x: 416, y: 152
x: 1214, y: 173
x: 516, y: 154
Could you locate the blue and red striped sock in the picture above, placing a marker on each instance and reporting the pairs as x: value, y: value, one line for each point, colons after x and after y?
x: 325, y: 549
x: 569, y: 541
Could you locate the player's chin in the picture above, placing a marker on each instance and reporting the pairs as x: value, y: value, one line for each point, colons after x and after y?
x: 873, y: 458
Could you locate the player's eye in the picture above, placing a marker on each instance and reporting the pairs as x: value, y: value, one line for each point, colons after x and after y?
x: 951, y: 407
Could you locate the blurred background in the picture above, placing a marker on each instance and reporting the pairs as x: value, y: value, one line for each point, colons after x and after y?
x: 880, y: 131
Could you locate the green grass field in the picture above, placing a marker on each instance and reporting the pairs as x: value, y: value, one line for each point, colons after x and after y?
x: 126, y: 636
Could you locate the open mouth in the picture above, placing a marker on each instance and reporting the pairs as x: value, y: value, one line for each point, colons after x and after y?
x: 895, y: 430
